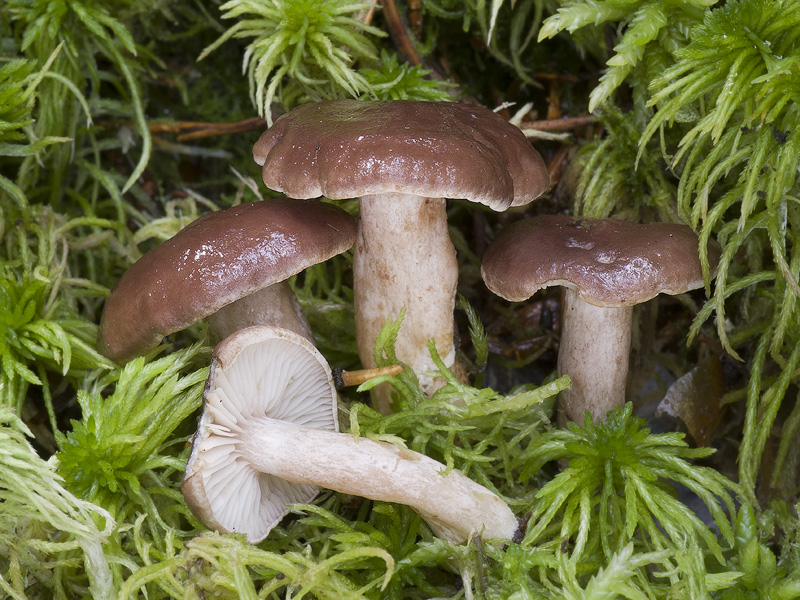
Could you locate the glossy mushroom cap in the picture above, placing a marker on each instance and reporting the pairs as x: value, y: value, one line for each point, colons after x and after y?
x: 294, y: 384
x: 608, y: 262
x: 349, y: 148
x: 214, y: 261
x: 607, y: 266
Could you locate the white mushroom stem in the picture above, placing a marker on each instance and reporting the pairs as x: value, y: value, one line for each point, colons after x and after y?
x: 404, y: 257
x: 594, y: 352
x: 274, y: 305
x: 454, y: 506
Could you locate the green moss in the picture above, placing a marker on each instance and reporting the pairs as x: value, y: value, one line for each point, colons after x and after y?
x: 698, y: 105
x: 311, y: 44
x: 616, y: 490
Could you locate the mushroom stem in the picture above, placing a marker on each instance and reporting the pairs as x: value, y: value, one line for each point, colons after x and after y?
x: 453, y: 505
x: 403, y: 257
x: 595, y: 345
x: 274, y: 305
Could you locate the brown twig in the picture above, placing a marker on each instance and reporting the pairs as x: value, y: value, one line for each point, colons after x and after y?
x: 224, y: 129
x: 350, y: 378
x: 366, y: 15
x: 557, y: 77
x: 196, y: 129
x: 175, y: 127
x: 557, y: 165
x: 564, y: 124
x: 415, y: 17
x: 402, y: 41
x: 553, y: 101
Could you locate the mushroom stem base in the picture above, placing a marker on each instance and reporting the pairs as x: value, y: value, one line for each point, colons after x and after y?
x: 595, y: 344
x: 454, y: 506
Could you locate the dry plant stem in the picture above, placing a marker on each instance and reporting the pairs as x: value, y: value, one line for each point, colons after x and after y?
x: 595, y: 344
x: 366, y: 15
x: 553, y: 101
x: 351, y: 378
x: 560, y: 124
x: 557, y: 77
x: 403, y: 257
x: 253, y: 124
x: 192, y: 130
x: 397, y: 29
x: 274, y: 305
x: 454, y: 506
x: 557, y: 165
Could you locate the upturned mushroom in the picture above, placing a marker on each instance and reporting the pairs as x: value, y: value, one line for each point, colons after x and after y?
x: 229, y: 266
x: 607, y: 266
x: 402, y: 159
x: 268, y: 437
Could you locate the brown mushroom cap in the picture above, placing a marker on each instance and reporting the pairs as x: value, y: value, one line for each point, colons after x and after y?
x: 215, y: 260
x: 610, y: 263
x: 350, y: 148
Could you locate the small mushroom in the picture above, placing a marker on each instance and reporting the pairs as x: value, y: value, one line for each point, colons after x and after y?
x: 402, y: 159
x: 268, y: 437
x: 230, y: 266
x: 607, y: 266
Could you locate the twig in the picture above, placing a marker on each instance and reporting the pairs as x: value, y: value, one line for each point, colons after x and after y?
x: 214, y: 129
x: 553, y: 101
x: 557, y: 77
x: 556, y: 166
x: 564, y: 124
x: 349, y: 378
x: 415, y: 17
x: 366, y: 15
x: 197, y: 129
x: 402, y: 41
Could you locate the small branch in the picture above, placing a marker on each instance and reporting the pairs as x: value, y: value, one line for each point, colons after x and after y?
x: 402, y: 41
x: 557, y: 165
x: 213, y: 129
x: 342, y: 379
x: 556, y: 77
x: 553, y: 101
x: 415, y: 17
x: 565, y: 124
x: 193, y: 130
x: 366, y: 15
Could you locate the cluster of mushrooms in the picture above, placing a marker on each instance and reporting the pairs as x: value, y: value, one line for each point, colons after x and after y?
x: 268, y: 436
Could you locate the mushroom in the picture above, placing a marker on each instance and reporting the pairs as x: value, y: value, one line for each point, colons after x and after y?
x: 402, y: 159
x: 268, y: 437
x: 607, y: 266
x: 230, y: 266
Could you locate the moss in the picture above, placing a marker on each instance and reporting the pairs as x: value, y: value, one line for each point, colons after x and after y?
x: 697, y: 106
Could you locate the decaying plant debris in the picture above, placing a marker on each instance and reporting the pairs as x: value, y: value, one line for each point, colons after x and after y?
x: 113, y: 136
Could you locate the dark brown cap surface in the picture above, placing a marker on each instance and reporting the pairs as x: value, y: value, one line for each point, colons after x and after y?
x: 215, y: 260
x: 610, y: 263
x: 349, y: 148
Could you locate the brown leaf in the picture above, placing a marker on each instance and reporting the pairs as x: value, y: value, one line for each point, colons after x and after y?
x: 695, y: 399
